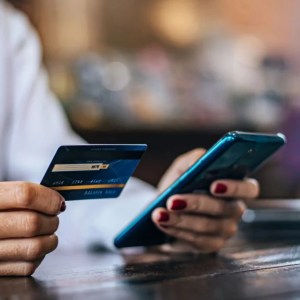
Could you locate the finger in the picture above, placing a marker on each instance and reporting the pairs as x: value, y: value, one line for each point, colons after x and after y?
x: 30, y: 249
x: 19, y: 224
x: 247, y: 189
x: 179, y: 166
x: 203, y: 243
x: 22, y: 268
x: 32, y: 196
x: 238, y: 208
x: 204, y: 204
x: 196, y: 224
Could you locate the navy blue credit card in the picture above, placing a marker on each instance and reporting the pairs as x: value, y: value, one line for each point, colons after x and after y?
x: 92, y: 171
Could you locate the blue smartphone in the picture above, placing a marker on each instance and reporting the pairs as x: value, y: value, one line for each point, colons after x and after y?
x: 234, y: 156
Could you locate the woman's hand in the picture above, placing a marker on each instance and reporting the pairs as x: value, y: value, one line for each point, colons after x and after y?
x: 204, y: 222
x: 28, y: 221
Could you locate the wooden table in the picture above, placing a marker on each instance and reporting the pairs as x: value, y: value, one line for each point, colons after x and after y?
x: 257, y: 264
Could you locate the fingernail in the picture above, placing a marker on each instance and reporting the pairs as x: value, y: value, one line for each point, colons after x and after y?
x: 163, y: 216
x: 221, y: 188
x: 63, y: 206
x: 178, y: 204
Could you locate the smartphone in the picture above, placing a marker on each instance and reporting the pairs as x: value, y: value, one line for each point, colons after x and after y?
x: 234, y: 156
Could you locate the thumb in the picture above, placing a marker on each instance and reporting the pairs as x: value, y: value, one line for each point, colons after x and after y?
x: 179, y: 166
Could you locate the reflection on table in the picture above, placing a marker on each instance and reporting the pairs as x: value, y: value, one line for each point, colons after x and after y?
x: 260, y: 263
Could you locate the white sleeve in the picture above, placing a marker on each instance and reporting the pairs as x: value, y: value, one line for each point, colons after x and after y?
x: 37, y: 123
x: 37, y: 127
x: 96, y: 222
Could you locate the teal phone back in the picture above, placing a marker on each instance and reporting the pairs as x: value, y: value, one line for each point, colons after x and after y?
x: 234, y: 156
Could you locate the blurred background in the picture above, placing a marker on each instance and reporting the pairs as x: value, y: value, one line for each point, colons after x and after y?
x: 177, y: 74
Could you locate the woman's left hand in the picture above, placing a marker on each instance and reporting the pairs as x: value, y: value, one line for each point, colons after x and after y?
x: 204, y: 222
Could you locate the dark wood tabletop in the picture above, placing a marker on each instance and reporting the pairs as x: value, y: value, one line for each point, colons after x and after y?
x: 259, y: 263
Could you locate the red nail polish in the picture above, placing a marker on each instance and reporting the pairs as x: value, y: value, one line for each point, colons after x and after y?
x: 163, y: 216
x: 220, y: 188
x: 178, y: 204
x: 63, y: 206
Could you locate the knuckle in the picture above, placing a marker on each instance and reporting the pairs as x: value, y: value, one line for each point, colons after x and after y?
x: 198, y: 152
x: 199, y: 242
x: 221, y: 207
x: 55, y: 223
x: 34, y: 250
x: 54, y: 242
x: 28, y: 268
x: 175, y: 220
x: 206, y: 225
x: 257, y: 191
x: 217, y: 245
x: 194, y: 239
x: 237, y: 189
x: 200, y: 205
x: 178, y: 159
x: 195, y: 154
x: 255, y: 187
x: 232, y: 229
x: 180, y: 235
x: 55, y: 202
x: 32, y: 224
x: 240, y: 208
x: 24, y: 194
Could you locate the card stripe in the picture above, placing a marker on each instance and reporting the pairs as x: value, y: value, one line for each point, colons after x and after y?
x: 88, y: 187
x: 79, y: 167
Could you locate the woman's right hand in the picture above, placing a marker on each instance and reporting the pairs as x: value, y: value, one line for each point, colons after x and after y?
x: 28, y: 221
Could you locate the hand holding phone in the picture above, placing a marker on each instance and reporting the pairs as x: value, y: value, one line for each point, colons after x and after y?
x: 235, y: 156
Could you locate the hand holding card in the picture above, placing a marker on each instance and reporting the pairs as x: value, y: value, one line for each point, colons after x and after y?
x: 92, y: 171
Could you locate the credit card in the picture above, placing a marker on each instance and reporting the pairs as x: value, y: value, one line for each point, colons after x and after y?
x: 81, y: 172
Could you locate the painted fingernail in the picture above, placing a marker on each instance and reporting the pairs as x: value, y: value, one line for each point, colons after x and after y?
x: 163, y: 216
x: 221, y: 188
x: 178, y: 204
x: 63, y: 206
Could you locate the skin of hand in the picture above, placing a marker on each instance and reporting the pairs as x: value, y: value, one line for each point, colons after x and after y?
x: 28, y: 221
x: 202, y: 223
